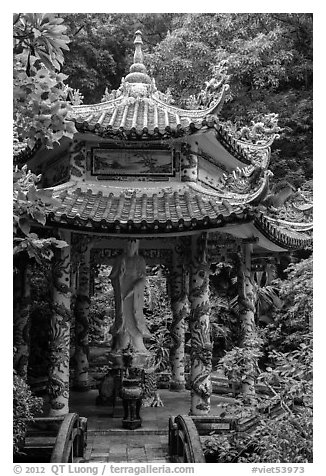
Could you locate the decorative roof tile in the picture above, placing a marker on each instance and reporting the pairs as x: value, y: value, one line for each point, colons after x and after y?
x: 174, y: 208
x: 286, y: 234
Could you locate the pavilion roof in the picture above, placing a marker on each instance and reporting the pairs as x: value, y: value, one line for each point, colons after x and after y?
x: 138, y: 111
x: 174, y: 207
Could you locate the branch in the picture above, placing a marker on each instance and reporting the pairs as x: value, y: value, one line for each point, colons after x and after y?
x: 17, y: 19
x: 75, y: 34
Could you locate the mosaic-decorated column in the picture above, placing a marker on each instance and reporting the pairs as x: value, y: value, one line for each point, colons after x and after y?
x: 179, y: 312
x: 189, y: 163
x: 58, y: 386
x: 82, y: 304
x: 22, y: 304
x: 246, y: 301
x: 201, y: 347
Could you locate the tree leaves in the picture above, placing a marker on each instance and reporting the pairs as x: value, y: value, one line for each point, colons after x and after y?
x: 32, y: 206
x: 40, y: 96
x: 43, y: 35
x: 270, y: 68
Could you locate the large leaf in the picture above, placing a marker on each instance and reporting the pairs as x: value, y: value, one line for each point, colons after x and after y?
x: 24, y: 225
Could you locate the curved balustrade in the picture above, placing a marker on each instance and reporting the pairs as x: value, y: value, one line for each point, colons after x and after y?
x: 54, y: 439
x: 71, y: 439
x: 184, y: 441
x: 185, y: 431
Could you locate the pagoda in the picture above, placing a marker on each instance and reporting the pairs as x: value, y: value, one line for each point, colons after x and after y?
x: 190, y: 193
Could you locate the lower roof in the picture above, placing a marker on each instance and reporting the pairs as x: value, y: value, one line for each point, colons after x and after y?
x: 150, y: 209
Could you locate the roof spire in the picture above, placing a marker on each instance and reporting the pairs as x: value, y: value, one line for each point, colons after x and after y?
x: 138, y: 71
x: 138, y: 55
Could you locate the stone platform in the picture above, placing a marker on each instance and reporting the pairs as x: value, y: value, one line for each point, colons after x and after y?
x: 107, y: 441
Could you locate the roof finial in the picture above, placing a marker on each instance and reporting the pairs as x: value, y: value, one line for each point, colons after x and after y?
x: 138, y: 55
x: 138, y: 71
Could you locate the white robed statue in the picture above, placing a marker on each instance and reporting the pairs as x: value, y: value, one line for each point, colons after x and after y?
x: 128, y: 277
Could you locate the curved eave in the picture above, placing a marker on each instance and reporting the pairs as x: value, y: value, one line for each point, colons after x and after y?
x: 259, y: 145
x: 214, y: 108
x: 144, y: 133
x: 287, y: 235
x: 181, y: 210
x: 147, y: 228
x: 252, y: 197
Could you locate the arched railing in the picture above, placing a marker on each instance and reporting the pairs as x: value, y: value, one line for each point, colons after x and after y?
x: 70, y: 443
x: 185, y: 432
x: 54, y: 439
x: 184, y: 441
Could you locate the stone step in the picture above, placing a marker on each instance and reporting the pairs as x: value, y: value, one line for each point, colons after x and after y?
x: 127, y: 447
x: 122, y: 432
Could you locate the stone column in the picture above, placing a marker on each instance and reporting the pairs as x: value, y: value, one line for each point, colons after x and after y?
x: 81, y: 320
x: 58, y: 386
x: 179, y: 312
x: 201, y: 347
x: 22, y: 304
x: 247, y: 315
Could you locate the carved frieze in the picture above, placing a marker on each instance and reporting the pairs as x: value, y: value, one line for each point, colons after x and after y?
x: 106, y: 255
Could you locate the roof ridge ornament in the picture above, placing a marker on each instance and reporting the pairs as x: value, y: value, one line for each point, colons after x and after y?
x: 138, y: 41
x: 138, y: 72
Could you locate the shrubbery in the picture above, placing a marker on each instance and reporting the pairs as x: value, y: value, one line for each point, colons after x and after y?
x: 25, y: 406
x: 287, y: 344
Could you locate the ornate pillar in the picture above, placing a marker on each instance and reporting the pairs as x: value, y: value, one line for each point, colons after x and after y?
x: 179, y: 311
x: 189, y: 163
x: 247, y: 315
x: 82, y: 304
x: 58, y: 386
x: 201, y: 347
x: 22, y: 304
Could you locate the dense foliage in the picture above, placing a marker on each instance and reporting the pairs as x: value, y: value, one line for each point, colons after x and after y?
x: 101, y: 48
x: 292, y: 323
x: 268, y: 58
x: 25, y: 406
x: 40, y: 106
x: 287, y: 374
x: 158, y: 318
x: 40, y: 109
x: 31, y: 204
x: 39, y: 112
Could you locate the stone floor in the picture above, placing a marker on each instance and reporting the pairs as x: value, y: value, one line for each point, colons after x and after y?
x: 147, y: 448
x: 107, y: 441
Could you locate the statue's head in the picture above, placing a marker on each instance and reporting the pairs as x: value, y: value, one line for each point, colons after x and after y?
x: 132, y: 247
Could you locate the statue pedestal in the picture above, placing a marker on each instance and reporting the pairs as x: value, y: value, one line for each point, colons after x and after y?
x: 177, y: 386
x: 131, y: 360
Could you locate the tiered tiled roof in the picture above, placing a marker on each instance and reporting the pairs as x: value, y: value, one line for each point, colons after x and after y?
x: 137, y: 111
x: 144, y: 208
x: 173, y: 207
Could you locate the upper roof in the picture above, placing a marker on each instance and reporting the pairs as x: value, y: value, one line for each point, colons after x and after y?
x: 137, y: 111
